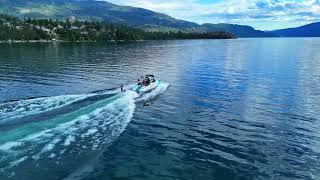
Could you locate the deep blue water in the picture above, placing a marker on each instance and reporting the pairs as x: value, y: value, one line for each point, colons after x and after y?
x: 226, y: 109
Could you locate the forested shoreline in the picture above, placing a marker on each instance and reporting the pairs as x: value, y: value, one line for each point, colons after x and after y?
x: 15, y: 29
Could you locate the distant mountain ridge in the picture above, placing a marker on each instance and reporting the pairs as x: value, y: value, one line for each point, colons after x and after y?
x: 136, y: 17
x: 309, y: 30
x: 93, y: 10
x: 237, y: 30
x: 108, y: 12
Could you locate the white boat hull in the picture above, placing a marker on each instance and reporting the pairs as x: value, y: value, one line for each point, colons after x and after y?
x: 144, y: 89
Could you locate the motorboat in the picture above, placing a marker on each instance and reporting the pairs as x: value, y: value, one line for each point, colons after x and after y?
x: 148, y: 83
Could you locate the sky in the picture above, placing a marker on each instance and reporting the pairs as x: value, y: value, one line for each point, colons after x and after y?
x: 260, y: 14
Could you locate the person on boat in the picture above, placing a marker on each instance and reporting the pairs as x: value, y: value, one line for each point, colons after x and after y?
x: 146, y: 81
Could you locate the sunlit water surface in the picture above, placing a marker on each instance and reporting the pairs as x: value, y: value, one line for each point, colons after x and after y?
x: 226, y: 109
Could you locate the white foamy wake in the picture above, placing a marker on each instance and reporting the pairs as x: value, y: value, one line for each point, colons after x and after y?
x: 67, y: 141
x: 18, y: 109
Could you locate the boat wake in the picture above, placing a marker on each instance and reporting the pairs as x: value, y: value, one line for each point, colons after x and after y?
x: 57, y: 135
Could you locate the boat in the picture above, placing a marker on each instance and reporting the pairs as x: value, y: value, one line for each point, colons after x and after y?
x: 148, y: 83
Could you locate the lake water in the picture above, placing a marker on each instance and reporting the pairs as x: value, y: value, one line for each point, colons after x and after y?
x: 225, y: 109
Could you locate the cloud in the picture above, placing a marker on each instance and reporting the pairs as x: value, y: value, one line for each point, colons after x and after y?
x: 234, y: 11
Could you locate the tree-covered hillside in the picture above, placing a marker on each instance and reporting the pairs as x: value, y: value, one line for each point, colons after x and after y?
x: 92, y: 10
x: 12, y: 28
x: 98, y: 10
